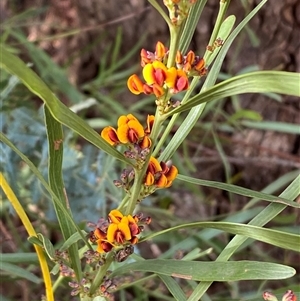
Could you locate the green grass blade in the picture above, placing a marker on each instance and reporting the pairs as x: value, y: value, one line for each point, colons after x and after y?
x: 55, y: 141
x: 282, y: 127
x: 19, y: 272
x: 48, y: 69
x: 58, y: 110
x: 210, y: 271
x: 239, y: 190
x: 253, y: 82
x: 19, y: 258
x: 173, y: 287
x: 191, y: 24
x: 271, y: 211
x: 273, y: 237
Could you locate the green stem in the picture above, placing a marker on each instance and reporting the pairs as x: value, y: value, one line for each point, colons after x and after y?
x: 174, y: 118
x: 139, y: 174
x: 161, y: 11
x: 174, y: 44
x: 101, y: 273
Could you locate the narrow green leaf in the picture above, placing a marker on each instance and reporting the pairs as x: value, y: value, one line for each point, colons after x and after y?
x: 239, y: 190
x: 55, y: 143
x: 247, y: 114
x: 191, y: 24
x: 173, y: 287
x: 72, y: 240
x: 47, y: 246
x: 19, y: 258
x: 19, y: 272
x: 210, y: 271
x: 274, y: 237
x: 48, y: 69
x: 58, y: 110
x: 282, y: 127
x: 252, y: 82
x: 266, y: 215
x: 35, y: 241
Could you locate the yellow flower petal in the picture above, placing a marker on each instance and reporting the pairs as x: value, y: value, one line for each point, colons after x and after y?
x: 124, y: 228
x: 172, y: 173
x: 115, y: 216
x: 148, y: 74
x: 159, y: 65
x: 135, y: 125
x: 171, y: 77
x: 123, y: 133
x: 111, y: 232
x: 154, y: 166
x: 162, y: 181
x: 149, y: 180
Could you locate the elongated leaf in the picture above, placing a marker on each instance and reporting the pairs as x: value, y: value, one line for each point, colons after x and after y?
x: 191, y: 24
x: 274, y: 237
x: 49, y: 249
x: 72, y: 240
x: 240, y: 190
x: 272, y: 210
x: 210, y: 271
x: 19, y: 272
x: 282, y: 127
x: 55, y: 141
x: 19, y: 258
x: 253, y: 82
x: 58, y: 110
x: 173, y: 287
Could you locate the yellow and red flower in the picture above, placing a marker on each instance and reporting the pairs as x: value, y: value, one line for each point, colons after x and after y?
x: 109, y: 134
x: 129, y: 131
x: 160, y: 174
x: 177, y: 80
x: 121, y: 230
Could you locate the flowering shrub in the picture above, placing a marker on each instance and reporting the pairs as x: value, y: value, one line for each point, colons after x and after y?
x: 168, y: 74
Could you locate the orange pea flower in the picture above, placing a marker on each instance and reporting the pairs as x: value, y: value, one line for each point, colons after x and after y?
x: 109, y: 134
x: 159, y: 174
x: 103, y: 245
x: 129, y: 129
x: 122, y: 228
x: 135, y: 85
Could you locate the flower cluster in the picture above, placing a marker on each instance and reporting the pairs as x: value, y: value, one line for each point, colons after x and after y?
x: 118, y: 231
x: 161, y: 80
x: 288, y: 296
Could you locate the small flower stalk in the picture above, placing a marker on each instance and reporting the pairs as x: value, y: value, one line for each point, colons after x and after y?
x: 178, y: 10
